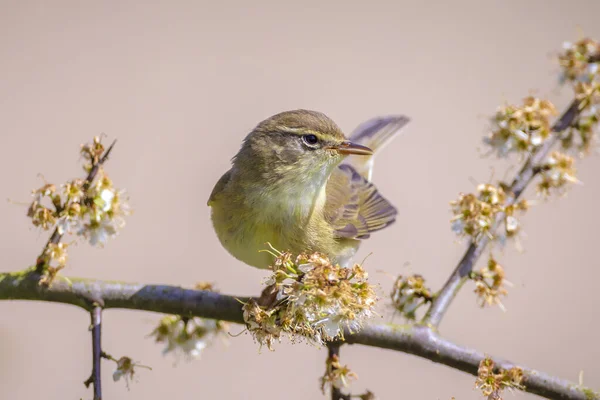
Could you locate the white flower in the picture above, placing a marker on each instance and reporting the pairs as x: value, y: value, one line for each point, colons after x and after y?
x: 536, y: 138
x: 98, y: 233
x: 512, y: 224
x: 520, y: 134
x: 193, y: 346
x: 118, y: 374
x: 331, y: 326
x: 68, y: 224
x: 458, y: 226
x: 107, y: 196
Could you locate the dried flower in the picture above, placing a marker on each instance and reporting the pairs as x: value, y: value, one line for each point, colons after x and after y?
x: 582, y: 135
x: 204, y: 286
x: 336, y: 375
x: 57, y: 254
x: 126, y: 369
x: 521, y: 129
x: 73, y: 191
x: 475, y: 215
x: 41, y: 216
x: 408, y: 294
x: 310, y: 298
x: 92, y: 153
x: 580, y: 64
x: 490, y: 284
x: 558, y: 171
x: 577, y: 61
x: 368, y: 395
x: 492, y: 383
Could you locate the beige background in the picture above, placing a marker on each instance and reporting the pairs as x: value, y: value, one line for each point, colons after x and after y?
x: 180, y: 83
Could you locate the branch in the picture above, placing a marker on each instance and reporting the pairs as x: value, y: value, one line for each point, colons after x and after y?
x: 460, y: 274
x: 418, y: 340
x: 96, y: 328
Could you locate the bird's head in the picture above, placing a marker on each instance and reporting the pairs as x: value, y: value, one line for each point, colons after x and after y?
x: 294, y: 146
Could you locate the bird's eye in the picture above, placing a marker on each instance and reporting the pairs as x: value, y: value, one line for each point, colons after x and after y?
x: 310, y: 140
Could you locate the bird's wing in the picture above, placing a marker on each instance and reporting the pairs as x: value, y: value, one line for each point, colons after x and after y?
x: 354, y: 207
x: 219, y: 186
x: 375, y: 134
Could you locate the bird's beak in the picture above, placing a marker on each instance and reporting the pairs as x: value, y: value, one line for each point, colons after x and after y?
x: 352, y: 148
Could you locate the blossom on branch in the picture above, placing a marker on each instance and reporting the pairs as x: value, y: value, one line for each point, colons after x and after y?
x: 408, y: 294
x: 336, y: 375
x: 126, y: 369
x: 490, y: 284
x: 556, y: 173
x: 521, y: 129
x: 492, y: 381
x: 475, y: 214
x: 187, y: 336
x: 91, y: 208
x: 309, y: 297
x: 580, y: 63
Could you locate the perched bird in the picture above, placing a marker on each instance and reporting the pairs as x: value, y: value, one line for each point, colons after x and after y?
x: 291, y: 185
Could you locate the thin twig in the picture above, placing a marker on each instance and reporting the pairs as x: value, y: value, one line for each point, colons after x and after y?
x: 459, y: 276
x: 333, y: 351
x: 56, y: 235
x: 97, y: 353
x: 417, y: 340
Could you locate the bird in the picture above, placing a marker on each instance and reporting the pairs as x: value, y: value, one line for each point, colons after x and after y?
x: 300, y: 185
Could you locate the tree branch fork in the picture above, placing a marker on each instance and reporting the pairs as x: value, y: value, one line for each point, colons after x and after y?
x: 420, y: 340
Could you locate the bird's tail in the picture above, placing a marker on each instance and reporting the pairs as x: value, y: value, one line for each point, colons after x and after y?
x: 375, y: 134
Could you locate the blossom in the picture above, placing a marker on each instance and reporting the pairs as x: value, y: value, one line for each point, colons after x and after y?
x: 187, y: 336
x: 409, y: 293
x: 92, y: 208
x: 556, y: 173
x: 104, y: 217
x: 521, y: 129
x: 577, y: 61
x: 580, y: 63
x: 492, y: 380
x: 490, y: 284
x: 336, y: 375
x: 308, y: 297
x: 126, y: 369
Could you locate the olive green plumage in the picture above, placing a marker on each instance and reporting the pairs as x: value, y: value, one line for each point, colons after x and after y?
x: 290, y: 185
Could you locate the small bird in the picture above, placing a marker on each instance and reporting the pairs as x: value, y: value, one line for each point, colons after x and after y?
x: 292, y: 186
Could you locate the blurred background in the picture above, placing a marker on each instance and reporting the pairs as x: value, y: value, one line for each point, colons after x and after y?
x: 179, y: 84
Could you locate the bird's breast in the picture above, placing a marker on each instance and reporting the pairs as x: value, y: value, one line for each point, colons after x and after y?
x: 290, y: 220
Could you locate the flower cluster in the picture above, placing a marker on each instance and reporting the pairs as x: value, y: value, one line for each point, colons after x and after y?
x: 521, y: 129
x: 475, y: 214
x: 336, y: 375
x: 492, y: 383
x: 490, y: 284
x: 309, y: 297
x: 126, y: 369
x: 580, y: 63
x: 92, y: 208
x: 408, y: 294
x: 556, y: 173
x: 187, y: 336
